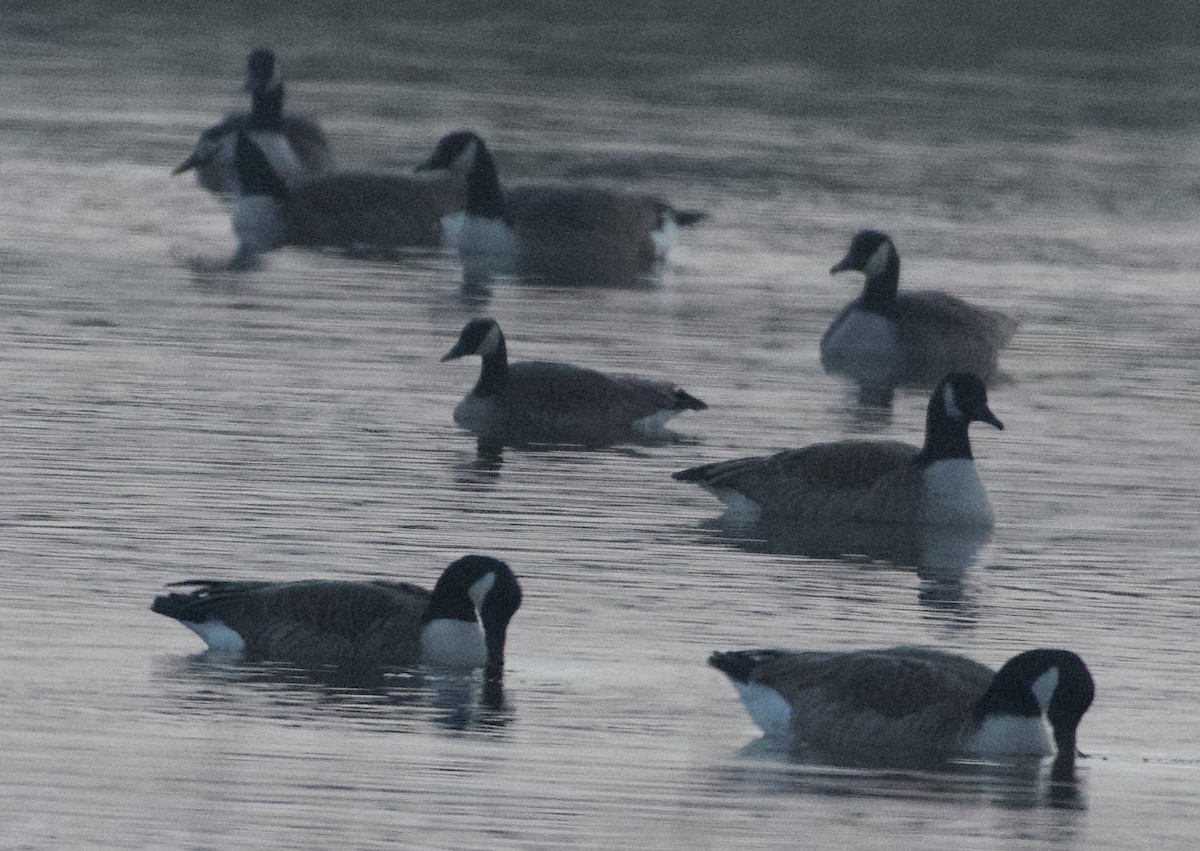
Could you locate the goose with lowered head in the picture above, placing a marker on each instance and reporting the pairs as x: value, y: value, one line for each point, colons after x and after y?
x: 462, y: 623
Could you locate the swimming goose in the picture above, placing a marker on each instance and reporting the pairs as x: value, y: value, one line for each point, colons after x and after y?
x: 556, y: 403
x: 213, y: 156
x: 461, y: 624
x: 865, y: 481
x: 354, y: 211
x: 563, y: 234
x: 885, y: 338
x: 914, y: 701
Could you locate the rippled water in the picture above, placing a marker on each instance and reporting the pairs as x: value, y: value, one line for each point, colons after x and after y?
x: 161, y: 423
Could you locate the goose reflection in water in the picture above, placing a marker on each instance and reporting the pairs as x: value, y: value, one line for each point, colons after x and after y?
x: 941, y: 554
x: 1012, y: 786
x: 388, y: 699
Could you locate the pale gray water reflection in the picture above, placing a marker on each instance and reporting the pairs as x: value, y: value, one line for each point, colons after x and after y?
x: 294, y: 421
x: 940, y: 555
x: 394, y: 700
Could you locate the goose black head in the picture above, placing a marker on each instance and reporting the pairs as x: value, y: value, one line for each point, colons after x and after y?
x: 962, y: 397
x: 455, y: 151
x: 871, y: 252
x: 479, y: 337
x: 1053, y: 683
x: 493, y: 591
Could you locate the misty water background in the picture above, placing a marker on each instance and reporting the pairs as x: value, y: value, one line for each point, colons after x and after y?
x: 161, y: 423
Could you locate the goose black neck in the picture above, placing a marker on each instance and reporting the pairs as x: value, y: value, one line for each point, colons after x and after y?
x: 498, y: 609
x: 493, y: 375
x: 945, y: 436
x: 495, y: 634
x: 266, y: 108
x: 485, y: 198
x: 254, y: 170
x: 879, y: 291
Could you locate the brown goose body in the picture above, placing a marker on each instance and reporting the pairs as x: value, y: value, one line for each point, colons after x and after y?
x: 535, y: 402
x: 336, y: 623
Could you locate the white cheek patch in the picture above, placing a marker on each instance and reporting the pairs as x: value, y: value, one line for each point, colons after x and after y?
x: 1043, y: 688
x: 480, y: 588
x: 951, y: 406
x: 466, y: 158
x: 878, y: 262
x: 279, y: 154
x: 491, y: 342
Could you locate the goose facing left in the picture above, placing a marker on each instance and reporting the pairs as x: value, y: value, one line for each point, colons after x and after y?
x: 887, y: 338
x: 535, y: 402
x: 462, y: 623
x: 863, y: 481
x: 213, y: 157
x: 914, y: 702
x: 560, y: 234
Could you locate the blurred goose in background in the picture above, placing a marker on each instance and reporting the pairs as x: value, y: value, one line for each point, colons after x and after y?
x: 357, y: 212
x: 885, y: 338
x: 462, y: 623
x: 861, y: 481
x: 533, y: 402
x: 914, y: 702
x: 560, y: 234
x: 213, y: 157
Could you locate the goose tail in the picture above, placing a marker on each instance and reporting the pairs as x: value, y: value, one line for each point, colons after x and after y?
x: 685, y: 401
x: 687, y: 218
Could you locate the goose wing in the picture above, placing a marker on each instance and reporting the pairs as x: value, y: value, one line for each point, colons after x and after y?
x: 318, y: 621
x: 584, y: 208
x: 846, y: 480
x: 564, y: 391
x: 376, y: 210
x: 905, y: 697
x: 584, y: 235
x: 940, y: 333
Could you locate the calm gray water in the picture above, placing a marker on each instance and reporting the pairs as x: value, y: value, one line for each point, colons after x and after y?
x: 160, y: 423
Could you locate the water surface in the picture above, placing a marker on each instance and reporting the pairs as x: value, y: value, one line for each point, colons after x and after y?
x: 161, y: 423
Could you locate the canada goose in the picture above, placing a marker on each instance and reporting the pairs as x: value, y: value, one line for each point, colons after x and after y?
x: 556, y: 403
x: 213, y: 156
x: 885, y: 338
x: 868, y: 481
x: 315, y: 623
x: 914, y: 701
x: 563, y: 234
x: 354, y: 211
